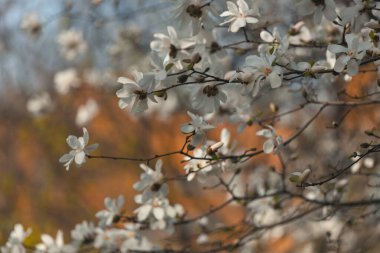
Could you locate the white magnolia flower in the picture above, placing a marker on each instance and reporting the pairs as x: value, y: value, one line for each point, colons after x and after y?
x: 65, y: 80
x: 86, y: 112
x: 124, y: 240
x: 275, y: 42
x: 263, y: 72
x: 273, y: 142
x: 71, y: 43
x: 84, y: 232
x: 208, y: 98
x: 356, y: 15
x: 135, y: 93
x: 39, y: 104
x: 239, y: 15
x: 170, y: 48
x: 16, y: 240
x: 31, y: 24
x: 80, y: 150
x: 198, y: 126
x: 200, y: 168
x: 319, y: 7
x: 351, y: 55
x: 112, y: 211
x: 151, y: 182
x: 159, y: 213
x: 51, y: 245
x: 192, y: 16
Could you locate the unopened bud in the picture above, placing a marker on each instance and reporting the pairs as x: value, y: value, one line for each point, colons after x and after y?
x: 304, y: 176
x: 295, y: 29
x: 215, y: 147
x: 196, y: 58
x: 273, y: 107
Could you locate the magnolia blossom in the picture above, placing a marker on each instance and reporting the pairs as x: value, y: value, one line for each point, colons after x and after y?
x: 263, y: 71
x: 84, y: 232
x: 159, y: 213
x: 151, y: 182
x: 124, y: 240
x: 351, y: 55
x: 273, y: 141
x: 190, y: 16
x: 198, y: 167
x: 113, y: 206
x: 198, y: 127
x: 135, y: 93
x: 208, y: 98
x: 80, y: 150
x: 86, y: 112
x: 51, y: 245
x: 16, y: 240
x: 39, y: 104
x: 170, y: 48
x: 31, y: 24
x: 65, y: 80
x: 71, y: 43
x: 277, y: 43
x: 239, y: 15
x: 319, y: 7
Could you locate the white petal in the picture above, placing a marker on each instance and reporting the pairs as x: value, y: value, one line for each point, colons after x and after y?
x: 232, y: 7
x: 268, y: 146
x: 237, y: 24
x: 65, y: 158
x: 143, y: 212
x: 352, y: 67
x: 72, y: 141
x: 80, y: 158
x: 86, y: 136
x: 159, y: 213
x: 265, y: 132
x: 275, y: 80
x: 337, y: 48
x: 341, y: 62
x: 124, y: 80
x: 266, y: 36
x: 251, y: 20
x: 186, y: 129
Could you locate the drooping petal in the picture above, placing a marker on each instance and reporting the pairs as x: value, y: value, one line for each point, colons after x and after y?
x: 352, y: 67
x: 341, y: 63
x: 275, y: 80
x: 65, y: 158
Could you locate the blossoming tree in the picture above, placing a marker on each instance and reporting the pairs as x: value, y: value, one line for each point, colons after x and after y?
x: 266, y: 65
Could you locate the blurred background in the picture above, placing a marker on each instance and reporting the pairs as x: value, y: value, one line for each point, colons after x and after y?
x: 59, y: 62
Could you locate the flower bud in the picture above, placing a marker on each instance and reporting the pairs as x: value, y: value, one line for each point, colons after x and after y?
x: 215, y: 147
x: 304, y: 176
